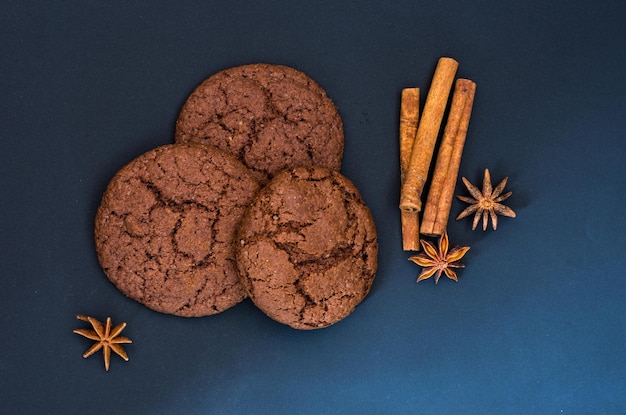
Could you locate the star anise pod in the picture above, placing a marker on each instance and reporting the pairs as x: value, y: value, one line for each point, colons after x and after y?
x: 435, y: 261
x: 106, y: 339
x: 486, y: 204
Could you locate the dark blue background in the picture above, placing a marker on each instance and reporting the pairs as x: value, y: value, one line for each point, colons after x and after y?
x: 537, y: 322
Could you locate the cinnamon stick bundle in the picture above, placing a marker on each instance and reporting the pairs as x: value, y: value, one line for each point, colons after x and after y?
x: 441, y: 192
x: 427, y: 132
x: 409, y: 118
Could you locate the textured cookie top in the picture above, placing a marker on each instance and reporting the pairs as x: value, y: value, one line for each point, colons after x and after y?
x: 307, y: 248
x: 269, y: 116
x: 164, y: 230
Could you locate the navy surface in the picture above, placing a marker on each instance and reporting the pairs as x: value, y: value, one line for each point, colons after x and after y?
x: 536, y: 323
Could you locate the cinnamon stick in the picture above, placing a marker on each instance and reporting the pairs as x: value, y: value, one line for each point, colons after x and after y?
x: 427, y: 132
x: 409, y: 118
x: 440, y: 194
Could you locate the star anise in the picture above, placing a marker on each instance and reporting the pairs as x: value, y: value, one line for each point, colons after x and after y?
x: 106, y: 339
x: 486, y: 204
x: 436, y: 261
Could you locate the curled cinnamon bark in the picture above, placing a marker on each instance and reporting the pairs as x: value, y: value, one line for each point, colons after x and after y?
x: 441, y: 192
x: 409, y: 118
x: 427, y: 132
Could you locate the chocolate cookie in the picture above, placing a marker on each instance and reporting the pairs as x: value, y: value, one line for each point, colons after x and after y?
x: 165, y: 228
x: 269, y: 116
x: 307, y: 251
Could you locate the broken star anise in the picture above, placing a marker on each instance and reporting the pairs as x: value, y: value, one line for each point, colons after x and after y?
x: 486, y: 204
x: 106, y: 339
x: 436, y: 261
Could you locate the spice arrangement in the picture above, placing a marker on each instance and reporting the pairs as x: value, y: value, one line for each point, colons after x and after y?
x: 418, y: 140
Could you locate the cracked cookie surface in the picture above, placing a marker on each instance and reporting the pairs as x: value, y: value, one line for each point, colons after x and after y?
x: 165, y: 228
x: 270, y: 117
x: 307, y: 248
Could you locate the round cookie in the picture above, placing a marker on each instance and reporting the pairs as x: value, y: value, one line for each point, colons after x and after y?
x: 271, y: 117
x: 307, y: 249
x: 165, y: 229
